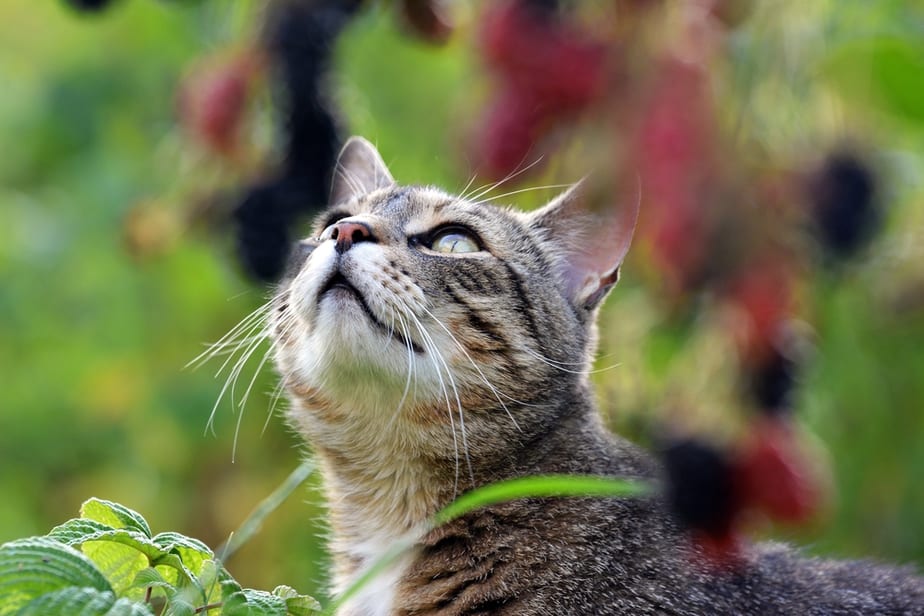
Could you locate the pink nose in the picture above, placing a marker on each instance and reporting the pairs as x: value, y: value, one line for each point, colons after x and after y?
x: 346, y: 233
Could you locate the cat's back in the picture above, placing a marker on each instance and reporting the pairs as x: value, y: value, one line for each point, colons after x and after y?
x: 613, y: 557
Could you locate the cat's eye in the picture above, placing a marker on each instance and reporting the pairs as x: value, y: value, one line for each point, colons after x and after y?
x: 454, y: 240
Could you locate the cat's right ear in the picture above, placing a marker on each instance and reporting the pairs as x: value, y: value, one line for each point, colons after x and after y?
x: 591, y: 229
x: 359, y: 171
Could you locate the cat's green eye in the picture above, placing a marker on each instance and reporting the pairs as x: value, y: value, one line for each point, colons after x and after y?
x: 454, y: 241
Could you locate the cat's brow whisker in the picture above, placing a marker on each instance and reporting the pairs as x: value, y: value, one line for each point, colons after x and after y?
x: 468, y: 185
x: 480, y: 192
x: 521, y: 190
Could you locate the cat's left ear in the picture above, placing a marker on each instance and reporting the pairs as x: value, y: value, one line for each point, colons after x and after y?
x: 592, y: 231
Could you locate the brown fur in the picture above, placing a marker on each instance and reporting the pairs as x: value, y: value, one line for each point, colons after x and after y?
x: 440, y: 371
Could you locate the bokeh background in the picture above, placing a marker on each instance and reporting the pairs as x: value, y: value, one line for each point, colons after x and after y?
x: 116, y: 268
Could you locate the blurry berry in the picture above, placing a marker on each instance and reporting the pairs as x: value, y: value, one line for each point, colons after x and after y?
x: 427, y: 19
x: 548, y: 70
x: 844, y: 208
x: 673, y: 152
x: 213, y: 100
x: 263, y: 219
x: 773, y: 377
x: 772, y: 475
x: 300, y: 41
x: 89, y: 5
x: 546, y: 8
x: 773, y: 381
x: 508, y: 135
x: 763, y: 292
x: 732, y: 13
x: 543, y: 58
x: 700, y: 488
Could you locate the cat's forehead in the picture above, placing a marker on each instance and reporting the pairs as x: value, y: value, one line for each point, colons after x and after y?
x: 418, y: 208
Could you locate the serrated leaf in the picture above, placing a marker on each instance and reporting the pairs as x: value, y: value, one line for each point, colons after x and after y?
x: 179, y: 607
x: 296, y: 604
x: 114, y: 515
x: 119, y: 563
x: 35, y: 566
x: 249, y: 602
x: 191, y: 551
x: 120, y: 553
x: 85, y: 602
x: 78, y: 531
x: 152, y: 578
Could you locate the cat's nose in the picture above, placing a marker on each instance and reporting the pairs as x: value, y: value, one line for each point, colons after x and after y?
x: 348, y: 232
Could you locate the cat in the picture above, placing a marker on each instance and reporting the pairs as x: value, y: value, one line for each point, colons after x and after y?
x: 430, y: 344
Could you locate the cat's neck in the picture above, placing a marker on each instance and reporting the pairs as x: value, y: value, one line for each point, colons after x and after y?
x: 383, y: 481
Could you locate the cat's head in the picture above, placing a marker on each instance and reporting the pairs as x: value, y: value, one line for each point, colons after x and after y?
x: 443, y: 322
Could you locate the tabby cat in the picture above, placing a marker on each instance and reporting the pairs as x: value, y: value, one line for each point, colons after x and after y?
x: 431, y: 343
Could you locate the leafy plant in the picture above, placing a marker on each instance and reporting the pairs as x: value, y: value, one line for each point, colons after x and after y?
x: 108, y: 563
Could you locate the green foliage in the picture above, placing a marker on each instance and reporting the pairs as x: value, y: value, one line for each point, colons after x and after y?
x: 107, y: 563
x: 94, y: 400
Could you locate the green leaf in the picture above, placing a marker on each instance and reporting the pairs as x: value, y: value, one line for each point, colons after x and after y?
x: 120, y: 553
x: 79, y: 531
x: 119, y: 563
x: 152, y: 578
x: 114, y: 515
x: 541, y: 486
x: 179, y: 607
x: 35, y: 566
x: 191, y: 551
x: 249, y: 602
x: 85, y: 602
x: 296, y: 604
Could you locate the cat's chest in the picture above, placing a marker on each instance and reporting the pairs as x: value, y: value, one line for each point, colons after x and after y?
x: 377, y: 596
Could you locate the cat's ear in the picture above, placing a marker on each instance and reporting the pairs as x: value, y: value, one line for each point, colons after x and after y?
x: 591, y: 230
x: 359, y: 171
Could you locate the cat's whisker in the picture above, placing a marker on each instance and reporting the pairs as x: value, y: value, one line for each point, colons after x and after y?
x: 471, y: 180
x: 410, y: 360
x: 229, y: 340
x: 434, y: 351
x: 482, y: 191
x: 521, y: 190
x: 561, y: 365
x: 275, y: 396
x: 494, y: 390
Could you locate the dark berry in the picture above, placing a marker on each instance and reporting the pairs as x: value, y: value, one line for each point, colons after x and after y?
x: 426, y: 19
x: 89, y: 6
x: 844, y: 207
x: 700, y: 487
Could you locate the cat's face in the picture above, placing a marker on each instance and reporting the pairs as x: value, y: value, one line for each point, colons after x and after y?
x: 447, y: 324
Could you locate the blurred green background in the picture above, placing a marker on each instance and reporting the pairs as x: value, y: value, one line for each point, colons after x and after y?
x: 95, y: 333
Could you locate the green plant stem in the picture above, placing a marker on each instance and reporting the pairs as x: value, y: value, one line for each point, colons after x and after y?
x: 251, y: 526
